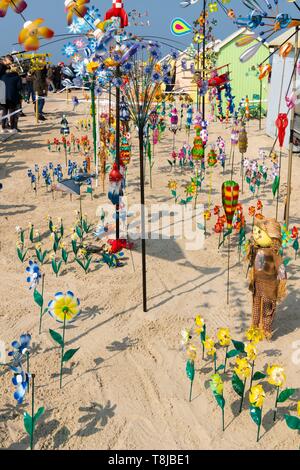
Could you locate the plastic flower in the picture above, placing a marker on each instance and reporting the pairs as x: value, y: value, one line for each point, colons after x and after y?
x: 255, y: 335
x: 251, y: 351
x: 191, y: 352
x: 91, y: 67
x: 207, y: 215
x: 20, y: 347
x: 242, y: 369
x: 199, y: 325
x: 298, y: 408
x: 69, y: 49
x: 31, y: 33
x: 209, y: 345
x: 64, y: 307
x: 216, y: 384
x: 20, y: 381
x: 276, y: 375
x: 257, y: 396
x: 185, y: 336
x: 172, y: 185
x: 33, y: 274
x: 224, y: 336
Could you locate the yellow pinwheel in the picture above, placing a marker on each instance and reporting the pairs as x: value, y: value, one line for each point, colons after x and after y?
x: 18, y: 6
x: 76, y: 8
x: 31, y: 33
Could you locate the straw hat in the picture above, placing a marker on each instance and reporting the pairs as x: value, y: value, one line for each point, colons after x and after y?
x: 271, y: 226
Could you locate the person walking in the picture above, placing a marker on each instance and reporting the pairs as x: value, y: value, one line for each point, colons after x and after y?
x: 13, y: 90
x: 40, y: 87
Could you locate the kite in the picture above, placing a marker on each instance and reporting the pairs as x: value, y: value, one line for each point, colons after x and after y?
x: 180, y: 27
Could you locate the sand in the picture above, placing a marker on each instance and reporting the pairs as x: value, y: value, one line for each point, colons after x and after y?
x: 126, y: 388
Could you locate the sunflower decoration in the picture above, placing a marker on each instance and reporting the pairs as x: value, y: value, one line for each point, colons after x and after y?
x: 18, y: 6
x: 64, y: 307
x: 75, y: 8
x: 31, y: 33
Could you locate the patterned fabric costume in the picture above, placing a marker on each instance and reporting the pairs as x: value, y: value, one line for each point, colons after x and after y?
x: 268, y: 275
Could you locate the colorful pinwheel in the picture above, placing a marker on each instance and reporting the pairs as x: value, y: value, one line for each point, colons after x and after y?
x: 31, y: 33
x: 76, y: 8
x: 18, y: 6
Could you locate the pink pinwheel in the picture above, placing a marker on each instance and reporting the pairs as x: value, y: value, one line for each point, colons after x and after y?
x: 291, y: 101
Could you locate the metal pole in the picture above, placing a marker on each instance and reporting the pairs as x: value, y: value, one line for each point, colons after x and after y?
x: 203, y: 56
x: 290, y: 160
x: 94, y: 119
x: 143, y: 233
x: 260, y: 102
x: 118, y: 148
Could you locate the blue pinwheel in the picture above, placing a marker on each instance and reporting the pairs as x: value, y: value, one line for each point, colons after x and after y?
x: 21, y: 381
x: 33, y: 274
x: 20, y: 348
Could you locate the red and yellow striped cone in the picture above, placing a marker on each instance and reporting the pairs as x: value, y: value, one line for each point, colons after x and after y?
x: 230, y: 199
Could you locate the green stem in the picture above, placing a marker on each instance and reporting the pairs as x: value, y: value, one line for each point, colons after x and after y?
x: 42, y: 306
x: 252, y: 371
x: 202, y: 350
x: 242, y: 399
x: 258, y: 428
x: 62, y: 352
x: 223, y: 419
x: 225, y: 362
x: 28, y: 367
x: 215, y: 362
x: 32, y: 413
x: 191, y: 388
x: 276, y: 405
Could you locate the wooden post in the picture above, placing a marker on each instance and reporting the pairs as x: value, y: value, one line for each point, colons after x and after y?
x: 37, y: 108
x: 290, y: 160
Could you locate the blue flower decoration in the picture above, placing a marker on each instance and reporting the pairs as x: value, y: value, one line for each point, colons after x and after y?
x: 34, y: 274
x: 20, y: 381
x: 156, y: 77
x: 20, y: 348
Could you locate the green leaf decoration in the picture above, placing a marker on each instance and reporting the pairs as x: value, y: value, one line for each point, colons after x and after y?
x: 38, y: 414
x: 221, y: 367
x: 293, y: 422
x: 21, y: 255
x: 286, y: 261
x: 275, y: 185
x: 28, y: 424
x: 62, y: 230
x: 189, y: 199
x: 88, y: 264
x: 203, y: 333
x: 80, y: 263
x: 296, y: 244
x: 285, y: 395
x: 64, y: 255
x: 237, y: 384
x: 31, y: 234
x: 56, y: 337
x: 38, y: 298
x: 75, y: 248
x: 232, y: 353
x: 183, y: 201
x: 174, y: 193
x: 85, y: 225
x: 69, y: 354
x: 55, y: 246
x: 54, y: 266
x: 239, y: 346
x: 41, y: 255
x: 22, y: 237
x: 190, y: 370
x: 220, y: 400
x: 258, y: 375
x: 170, y: 163
x: 255, y: 414
x: 79, y: 232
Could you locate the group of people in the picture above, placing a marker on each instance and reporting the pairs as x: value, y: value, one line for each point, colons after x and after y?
x: 17, y: 85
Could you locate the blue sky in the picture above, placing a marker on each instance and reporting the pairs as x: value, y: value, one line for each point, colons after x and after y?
x: 161, y: 13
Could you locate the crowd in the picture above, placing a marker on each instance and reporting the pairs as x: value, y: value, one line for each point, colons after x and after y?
x: 18, y: 84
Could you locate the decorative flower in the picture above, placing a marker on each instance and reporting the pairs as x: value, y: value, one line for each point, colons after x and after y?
x: 191, y: 352
x: 251, y: 351
x: 199, y: 325
x: 257, y: 396
x: 207, y: 215
x: 242, y: 369
x: 216, y: 384
x: 92, y: 67
x: 20, y: 381
x: 255, y: 335
x: 172, y: 185
x: 69, y: 49
x: 185, y: 336
x: 64, y: 306
x: 298, y: 408
x: 34, y: 274
x: 20, y: 348
x: 209, y: 345
x: 276, y: 375
x: 224, y: 336
x: 251, y: 211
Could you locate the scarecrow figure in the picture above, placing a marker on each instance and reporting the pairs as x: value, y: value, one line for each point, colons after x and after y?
x: 268, y: 275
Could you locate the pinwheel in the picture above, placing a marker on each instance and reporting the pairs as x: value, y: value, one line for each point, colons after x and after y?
x: 18, y: 6
x: 76, y: 8
x: 31, y: 33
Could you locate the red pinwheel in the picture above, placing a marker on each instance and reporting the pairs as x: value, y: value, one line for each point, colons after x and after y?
x: 281, y: 124
x: 18, y: 6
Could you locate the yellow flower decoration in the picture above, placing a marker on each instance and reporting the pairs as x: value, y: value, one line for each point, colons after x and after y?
x: 242, y: 369
x: 257, y: 396
x: 38, y: 246
x: 207, y: 215
x: 172, y: 185
x: 92, y: 67
x: 276, y: 375
x: 64, y: 307
x: 224, y: 336
x: 298, y: 408
x: 251, y: 351
x: 216, y: 384
x: 185, y: 336
x: 199, y: 325
x: 255, y: 335
x: 209, y: 345
x: 191, y: 352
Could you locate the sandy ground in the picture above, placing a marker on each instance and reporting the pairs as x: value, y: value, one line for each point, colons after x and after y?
x: 126, y: 388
